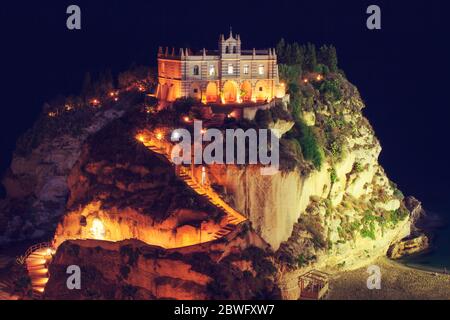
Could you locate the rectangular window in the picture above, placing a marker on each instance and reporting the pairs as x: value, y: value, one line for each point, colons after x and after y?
x: 230, y: 68
x: 245, y: 68
x: 212, y: 70
x: 261, y: 69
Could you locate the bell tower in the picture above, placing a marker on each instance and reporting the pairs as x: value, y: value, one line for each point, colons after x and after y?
x: 230, y: 46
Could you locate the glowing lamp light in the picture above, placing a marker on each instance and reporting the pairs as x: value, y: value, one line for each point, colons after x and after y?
x: 140, y: 137
x: 319, y: 77
x: 159, y: 136
x: 175, y: 135
x: 305, y: 80
x: 203, y: 131
x: 186, y: 119
x: 95, y: 102
x: 97, y: 229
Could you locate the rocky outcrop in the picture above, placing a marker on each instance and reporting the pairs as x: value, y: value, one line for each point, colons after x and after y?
x: 133, y: 270
x: 36, y: 182
x: 408, y: 246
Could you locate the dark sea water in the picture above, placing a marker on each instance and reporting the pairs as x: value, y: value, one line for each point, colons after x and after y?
x: 438, y: 257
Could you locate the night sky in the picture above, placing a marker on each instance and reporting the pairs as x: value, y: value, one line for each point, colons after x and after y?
x: 401, y: 70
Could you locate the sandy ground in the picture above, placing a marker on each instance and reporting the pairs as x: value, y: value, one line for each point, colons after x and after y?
x: 398, y: 282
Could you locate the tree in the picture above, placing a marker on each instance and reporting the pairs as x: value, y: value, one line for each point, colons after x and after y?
x: 310, y: 60
x: 328, y: 56
x: 297, y: 54
x: 280, y: 50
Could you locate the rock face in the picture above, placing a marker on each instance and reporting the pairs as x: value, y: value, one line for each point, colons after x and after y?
x: 342, y: 215
x: 104, y: 186
x: 408, y: 246
x: 36, y: 183
x: 347, y: 187
x: 130, y: 193
x: 133, y: 270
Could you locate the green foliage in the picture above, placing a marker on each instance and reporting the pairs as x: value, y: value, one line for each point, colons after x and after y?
x: 310, y: 59
x: 295, y: 54
x: 329, y: 89
x: 322, y: 69
x: 301, y: 260
x: 336, y: 150
x: 311, y: 148
x: 397, y: 193
x: 368, y: 225
x: 290, y: 74
x: 327, y: 56
x: 357, y: 167
x: 333, y: 176
x: 394, y: 217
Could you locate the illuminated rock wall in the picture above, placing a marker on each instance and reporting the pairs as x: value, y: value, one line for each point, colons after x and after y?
x: 113, y: 224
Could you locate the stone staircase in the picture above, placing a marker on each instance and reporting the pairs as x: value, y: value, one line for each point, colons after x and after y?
x: 36, y: 260
x: 233, y: 217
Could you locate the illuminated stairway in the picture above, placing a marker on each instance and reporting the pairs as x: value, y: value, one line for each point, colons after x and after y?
x: 36, y: 263
x: 233, y: 217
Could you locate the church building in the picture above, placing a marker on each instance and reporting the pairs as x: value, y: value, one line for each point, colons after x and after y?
x: 226, y: 75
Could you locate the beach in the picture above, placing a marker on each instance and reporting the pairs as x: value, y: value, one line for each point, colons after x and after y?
x: 398, y: 282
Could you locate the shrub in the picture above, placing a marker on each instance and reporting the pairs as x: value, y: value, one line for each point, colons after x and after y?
x: 333, y: 176
x: 330, y: 89
x: 310, y: 147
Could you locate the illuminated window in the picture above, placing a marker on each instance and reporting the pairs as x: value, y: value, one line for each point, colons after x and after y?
x: 261, y: 69
x: 230, y: 68
x: 245, y: 68
x: 212, y: 70
x: 196, y: 70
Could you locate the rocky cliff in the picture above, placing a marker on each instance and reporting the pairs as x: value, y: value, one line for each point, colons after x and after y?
x: 233, y: 269
x: 331, y: 206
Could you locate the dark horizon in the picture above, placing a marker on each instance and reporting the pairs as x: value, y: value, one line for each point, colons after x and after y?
x: 401, y: 70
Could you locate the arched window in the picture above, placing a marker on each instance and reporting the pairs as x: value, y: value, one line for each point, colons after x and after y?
x: 196, y: 70
x: 234, y: 49
x: 227, y: 49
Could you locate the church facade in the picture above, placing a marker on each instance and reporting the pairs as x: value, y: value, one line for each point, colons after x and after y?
x: 226, y: 75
